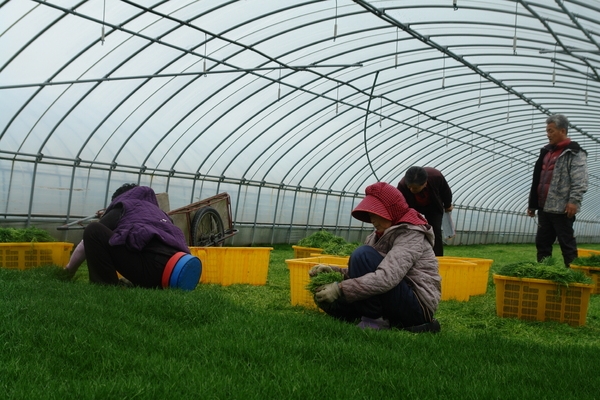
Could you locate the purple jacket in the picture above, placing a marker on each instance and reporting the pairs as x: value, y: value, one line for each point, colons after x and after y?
x: 143, y: 220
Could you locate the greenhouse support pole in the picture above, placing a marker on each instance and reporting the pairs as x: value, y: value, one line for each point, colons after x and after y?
x: 476, y: 226
x: 275, y: 213
x: 256, y: 212
x: 325, y: 209
x: 70, y: 197
x: 289, y: 238
x: 237, y: 204
x: 337, y: 215
x: 31, y: 193
x: 312, y: 193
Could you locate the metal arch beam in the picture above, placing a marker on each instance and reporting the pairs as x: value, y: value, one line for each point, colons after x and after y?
x: 323, y: 76
x: 485, y: 152
x: 278, y: 81
x: 443, y: 133
x: 587, y: 135
x: 151, y: 40
x: 381, y: 14
x: 452, y: 154
x: 134, y: 34
x: 98, y: 80
x: 67, y: 11
x: 218, y: 36
x: 544, y: 22
x: 347, y: 83
x: 404, y: 122
x: 174, y: 75
x: 35, y: 37
x: 315, y: 96
x: 223, y: 38
x: 396, y: 102
x: 168, y: 17
x: 107, y: 79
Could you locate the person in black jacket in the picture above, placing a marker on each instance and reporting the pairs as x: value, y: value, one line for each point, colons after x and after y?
x: 427, y: 191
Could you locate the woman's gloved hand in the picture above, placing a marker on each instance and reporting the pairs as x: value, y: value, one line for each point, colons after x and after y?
x: 318, y: 269
x: 328, y: 293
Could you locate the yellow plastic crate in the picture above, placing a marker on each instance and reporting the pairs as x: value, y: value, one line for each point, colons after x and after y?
x: 592, y: 272
x: 541, y: 300
x: 456, y: 277
x: 232, y: 265
x: 30, y: 255
x: 477, y: 281
x: 587, y: 252
x: 303, y: 252
x: 299, y: 278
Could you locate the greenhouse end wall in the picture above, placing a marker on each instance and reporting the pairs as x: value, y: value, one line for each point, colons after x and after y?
x: 262, y: 213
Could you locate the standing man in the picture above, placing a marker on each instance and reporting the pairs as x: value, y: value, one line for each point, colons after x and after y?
x: 559, y: 181
x: 426, y: 190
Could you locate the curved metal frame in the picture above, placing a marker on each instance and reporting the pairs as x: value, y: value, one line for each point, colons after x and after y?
x: 460, y: 82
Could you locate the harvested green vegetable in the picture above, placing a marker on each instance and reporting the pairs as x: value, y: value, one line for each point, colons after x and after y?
x: 591, y: 261
x: 12, y: 235
x: 331, y: 244
x: 317, y: 240
x: 547, y: 269
x: 323, y: 279
x: 340, y: 249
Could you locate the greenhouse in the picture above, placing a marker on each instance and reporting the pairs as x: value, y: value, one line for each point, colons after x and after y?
x: 224, y: 199
x: 292, y: 108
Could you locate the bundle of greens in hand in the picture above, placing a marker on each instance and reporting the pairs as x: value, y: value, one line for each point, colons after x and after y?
x: 323, y: 279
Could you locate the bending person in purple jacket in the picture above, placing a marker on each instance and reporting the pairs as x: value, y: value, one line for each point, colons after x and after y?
x: 134, y: 237
x: 392, y: 281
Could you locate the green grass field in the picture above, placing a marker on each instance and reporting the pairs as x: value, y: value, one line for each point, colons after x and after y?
x: 73, y: 340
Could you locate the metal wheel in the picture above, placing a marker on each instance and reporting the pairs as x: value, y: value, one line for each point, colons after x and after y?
x: 207, y: 228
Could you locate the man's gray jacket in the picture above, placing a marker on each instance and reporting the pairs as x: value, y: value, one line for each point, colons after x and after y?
x: 569, y: 179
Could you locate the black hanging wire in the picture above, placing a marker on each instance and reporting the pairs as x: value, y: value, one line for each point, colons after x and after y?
x: 279, y: 88
x: 515, y: 36
x: 479, y: 105
x: 365, y: 130
x: 205, y: 44
x: 103, y: 20
x: 587, y: 74
x: 444, y: 72
x: 380, y: 110
x: 532, y: 111
x: 554, y: 67
x: 396, y: 54
x: 335, y: 21
x: 446, y: 133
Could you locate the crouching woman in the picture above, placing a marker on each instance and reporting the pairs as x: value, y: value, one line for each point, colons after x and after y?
x: 392, y: 281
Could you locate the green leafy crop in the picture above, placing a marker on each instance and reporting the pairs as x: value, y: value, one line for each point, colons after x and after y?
x: 547, y: 269
x: 331, y: 244
x: 340, y: 249
x: 323, y: 279
x: 318, y: 239
x: 12, y: 235
x: 591, y: 261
